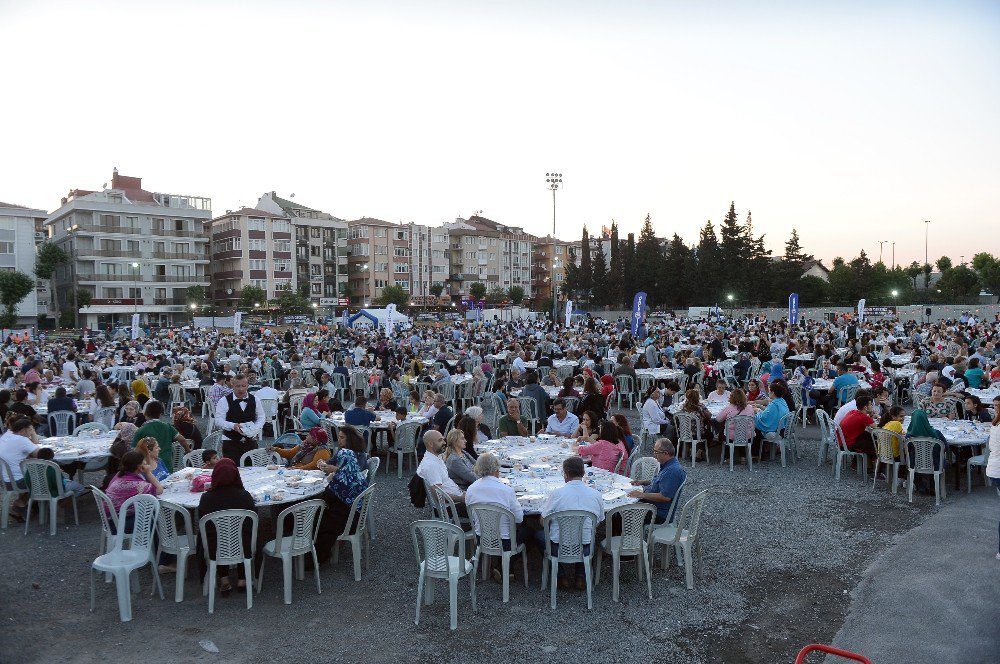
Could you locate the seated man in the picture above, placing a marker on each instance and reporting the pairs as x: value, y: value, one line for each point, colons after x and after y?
x: 61, y: 402
x: 360, y: 415
x: 574, y: 495
x: 661, y: 489
x: 561, y: 422
x: 489, y: 489
x: 855, y: 427
x: 17, y: 444
x: 513, y: 424
x: 443, y: 413
x: 433, y: 470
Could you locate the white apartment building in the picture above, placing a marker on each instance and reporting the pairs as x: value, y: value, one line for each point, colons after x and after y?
x: 320, y: 247
x: 132, y: 251
x: 18, y: 236
x: 429, y: 256
x: 489, y: 252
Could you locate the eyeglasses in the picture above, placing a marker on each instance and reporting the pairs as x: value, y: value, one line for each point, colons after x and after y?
x: 656, y: 451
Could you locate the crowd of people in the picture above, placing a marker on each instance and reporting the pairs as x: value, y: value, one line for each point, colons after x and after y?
x: 716, y: 372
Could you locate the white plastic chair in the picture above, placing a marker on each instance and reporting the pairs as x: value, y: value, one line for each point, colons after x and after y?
x: 489, y: 517
x: 741, y: 427
x: 121, y: 562
x: 571, y: 548
x: 980, y: 460
x: 625, y: 387
x: 884, y: 455
x: 631, y: 542
x: 299, y: 542
x: 682, y: 535
x: 177, y: 397
x: 784, y: 438
x: 9, y: 492
x: 228, y: 526
x: 689, y: 435
x: 920, y: 455
x: 203, y: 390
x: 109, y: 522
x: 644, y: 468
x: 356, y: 532
x: 181, y: 543
x: 260, y: 458
x: 212, y: 441
x: 37, y: 473
x: 193, y: 459
x: 844, y: 453
x: 440, y: 551
x: 105, y: 416
x: 271, y: 416
x: 529, y: 411
x: 826, y: 437
x: 61, y: 422
x: 406, y: 445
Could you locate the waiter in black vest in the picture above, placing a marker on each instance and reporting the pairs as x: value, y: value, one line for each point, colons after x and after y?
x: 237, y: 408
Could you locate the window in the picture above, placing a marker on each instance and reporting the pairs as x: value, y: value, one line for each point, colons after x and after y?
x: 258, y: 264
x: 359, y: 249
x: 281, y: 226
x: 6, y: 247
x: 258, y: 245
x: 401, y: 267
x: 230, y: 244
x: 401, y: 251
x: 381, y: 250
x: 493, y: 256
x: 437, y: 253
x: 471, y: 255
x: 440, y: 268
x: 493, y: 242
x: 315, y: 270
x: 314, y: 251
x: 283, y: 285
x: 282, y: 245
x: 381, y: 267
x: 402, y: 235
x: 281, y: 266
x: 316, y: 289
x: 405, y: 285
x: 381, y: 232
x: 438, y: 239
x: 259, y: 283
x: 256, y: 224
x: 314, y: 233
x: 559, y: 250
x: 359, y: 232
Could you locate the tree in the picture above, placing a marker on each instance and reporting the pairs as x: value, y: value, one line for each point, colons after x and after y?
x: 586, y: 272
x: 516, y: 295
x: 707, y: 282
x: 251, y: 295
x: 677, y: 275
x: 616, y: 271
x: 927, y: 275
x: 793, y: 249
x: 943, y: 264
x: 733, y: 250
x: 436, y: 289
x: 477, y: 290
x: 495, y: 295
x: 988, y: 269
x: 572, y: 282
x: 14, y: 287
x: 648, y: 257
x: 83, y: 298
x: 913, y: 271
x: 196, y: 295
x: 757, y: 262
x: 629, y: 268
x: 393, y: 295
x: 49, y: 258
x: 812, y: 290
x: 601, y: 293
x: 959, y: 282
x: 289, y: 302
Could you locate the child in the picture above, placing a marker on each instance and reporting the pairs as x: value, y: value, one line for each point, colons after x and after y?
x: 74, y: 487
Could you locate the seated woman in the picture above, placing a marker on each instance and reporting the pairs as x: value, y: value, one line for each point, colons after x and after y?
x: 120, y: 446
x: 693, y: 404
x: 184, y: 423
x: 568, y: 388
x: 975, y: 410
x: 458, y: 461
x: 227, y: 493
x: 738, y: 405
x: 483, y: 433
x: 587, y: 431
x: 386, y: 401
x: 622, y: 423
x: 307, y: 454
x: 753, y: 390
x: 938, y: 406
x: 310, y: 417
x: 920, y: 427
x: 154, y: 464
x: 132, y: 413
x: 345, y: 482
x: 608, y: 451
x: 133, y: 478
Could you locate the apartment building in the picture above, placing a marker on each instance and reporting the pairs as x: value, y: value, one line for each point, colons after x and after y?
x: 379, y: 256
x: 19, y: 234
x: 482, y: 250
x: 131, y: 251
x: 250, y: 247
x: 320, y: 250
x: 429, y: 256
x: 549, y: 260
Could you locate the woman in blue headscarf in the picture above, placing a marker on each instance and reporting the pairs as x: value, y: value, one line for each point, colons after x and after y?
x: 920, y: 427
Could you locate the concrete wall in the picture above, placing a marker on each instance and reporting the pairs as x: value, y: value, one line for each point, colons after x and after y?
x: 914, y: 312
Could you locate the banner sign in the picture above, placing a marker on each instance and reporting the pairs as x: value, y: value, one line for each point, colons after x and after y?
x: 569, y: 311
x: 345, y: 320
x: 638, y: 311
x: 793, y: 308
x: 861, y: 310
x: 390, y: 310
x: 880, y: 311
x: 237, y: 319
x: 135, y: 326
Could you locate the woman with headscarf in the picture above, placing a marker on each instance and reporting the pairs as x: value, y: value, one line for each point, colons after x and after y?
x: 140, y: 391
x: 227, y: 493
x: 132, y: 413
x: 346, y: 480
x: 184, y: 423
x: 121, y: 444
x: 307, y: 454
x: 920, y: 427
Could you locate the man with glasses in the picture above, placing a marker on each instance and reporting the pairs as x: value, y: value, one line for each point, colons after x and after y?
x: 661, y: 489
x: 561, y: 422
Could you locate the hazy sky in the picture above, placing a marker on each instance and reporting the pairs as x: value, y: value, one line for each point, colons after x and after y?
x: 853, y: 121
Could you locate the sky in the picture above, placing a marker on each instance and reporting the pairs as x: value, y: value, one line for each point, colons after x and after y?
x: 853, y: 122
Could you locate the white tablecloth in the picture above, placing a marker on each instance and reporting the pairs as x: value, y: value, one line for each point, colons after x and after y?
x: 268, y: 487
x: 714, y: 407
x: 660, y: 374
x: 958, y: 432
x: 986, y: 396
x: 81, y: 448
x: 384, y: 417
x: 537, y: 471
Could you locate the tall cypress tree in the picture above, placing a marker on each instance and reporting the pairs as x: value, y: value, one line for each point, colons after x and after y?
x: 599, y: 278
x: 733, y: 249
x: 648, y: 257
x: 616, y: 272
x: 708, y: 283
x: 677, y: 277
x: 631, y: 270
x: 757, y: 261
x: 586, y: 269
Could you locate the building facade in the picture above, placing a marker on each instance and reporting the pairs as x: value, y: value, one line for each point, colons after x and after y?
x: 485, y: 251
x: 549, y: 259
x: 19, y: 235
x: 320, y: 250
x: 250, y: 247
x: 131, y: 251
x: 428, y: 263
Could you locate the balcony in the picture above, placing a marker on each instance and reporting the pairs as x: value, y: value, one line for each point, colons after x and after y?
x: 174, y: 278
x: 179, y: 255
x: 108, y: 253
x: 97, y: 276
x: 98, y: 228
x: 173, y: 233
x: 164, y: 301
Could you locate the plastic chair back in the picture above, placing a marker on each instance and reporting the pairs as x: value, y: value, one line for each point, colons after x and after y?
x: 228, y: 525
x: 488, y: 518
x: 90, y: 426
x: 146, y: 509
x: 924, y: 455
x: 357, y: 522
x: 571, y: 524
x: 634, y: 519
x: 37, y: 473
x: 259, y: 458
x: 173, y: 540
x: 212, y: 441
x: 105, y: 416
x: 406, y: 436
x: 305, y: 518
x: 645, y: 468
x: 434, y: 542
x: 741, y: 428
x: 61, y: 422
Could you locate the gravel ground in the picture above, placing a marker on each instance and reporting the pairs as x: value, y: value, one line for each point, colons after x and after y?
x: 782, y: 550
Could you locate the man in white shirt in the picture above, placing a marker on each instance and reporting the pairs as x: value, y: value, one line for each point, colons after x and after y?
x: 16, y: 445
x: 70, y: 372
x: 845, y: 409
x: 518, y: 362
x: 489, y: 489
x: 562, y: 422
x: 574, y: 495
x: 434, y: 471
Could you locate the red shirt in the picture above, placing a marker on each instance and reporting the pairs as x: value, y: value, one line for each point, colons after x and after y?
x: 853, y: 425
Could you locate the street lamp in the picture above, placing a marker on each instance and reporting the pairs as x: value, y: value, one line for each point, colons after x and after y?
x: 730, y: 298
x: 880, y: 245
x: 553, y: 180
x: 315, y: 307
x: 895, y: 293
x: 927, y: 227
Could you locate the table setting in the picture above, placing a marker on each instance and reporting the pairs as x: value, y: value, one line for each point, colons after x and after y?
x: 272, y: 485
x: 88, y: 446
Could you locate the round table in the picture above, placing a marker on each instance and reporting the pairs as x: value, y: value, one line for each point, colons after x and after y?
x: 958, y: 433
x: 384, y: 418
x: 534, y: 470
x: 84, y: 447
x: 268, y: 486
x: 714, y: 407
x: 986, y: 396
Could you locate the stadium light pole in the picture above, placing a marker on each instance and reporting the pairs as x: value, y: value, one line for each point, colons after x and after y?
x: 554, y: 181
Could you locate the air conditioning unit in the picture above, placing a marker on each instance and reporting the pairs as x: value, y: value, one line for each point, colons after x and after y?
x: 40, y: 235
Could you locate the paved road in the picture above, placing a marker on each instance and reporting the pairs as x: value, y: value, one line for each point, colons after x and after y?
x: 934, y: 596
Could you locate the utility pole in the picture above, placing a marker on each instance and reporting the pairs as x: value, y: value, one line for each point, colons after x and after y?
x: 554, y: 180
